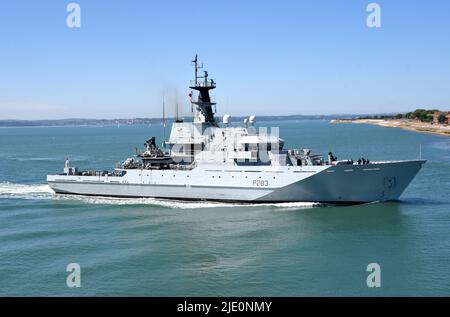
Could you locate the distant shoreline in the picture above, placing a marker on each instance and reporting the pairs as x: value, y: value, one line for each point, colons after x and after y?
x: 145, y: 121
x: 405, y: 124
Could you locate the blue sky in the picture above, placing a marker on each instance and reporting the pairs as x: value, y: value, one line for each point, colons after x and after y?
x: 268, y: 57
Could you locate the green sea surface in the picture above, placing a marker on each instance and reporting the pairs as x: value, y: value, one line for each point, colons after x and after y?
x: 149, y: 247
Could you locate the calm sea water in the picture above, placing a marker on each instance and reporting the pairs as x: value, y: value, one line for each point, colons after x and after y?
x: 151, y: 247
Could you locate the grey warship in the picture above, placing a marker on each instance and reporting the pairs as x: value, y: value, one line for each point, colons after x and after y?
x: 213, y: 160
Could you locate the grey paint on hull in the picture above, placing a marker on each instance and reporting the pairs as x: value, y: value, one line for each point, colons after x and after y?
x: 351, y: 184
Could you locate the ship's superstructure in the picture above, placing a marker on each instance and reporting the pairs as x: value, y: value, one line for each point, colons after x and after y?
x: 206, y: 159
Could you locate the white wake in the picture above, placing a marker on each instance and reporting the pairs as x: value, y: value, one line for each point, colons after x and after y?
x: 25, y: 191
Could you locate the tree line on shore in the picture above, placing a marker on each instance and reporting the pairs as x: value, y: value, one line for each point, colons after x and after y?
x: 422, y: 115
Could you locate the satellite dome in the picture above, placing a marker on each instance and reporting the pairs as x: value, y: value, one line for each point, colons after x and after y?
x: 227, y: 119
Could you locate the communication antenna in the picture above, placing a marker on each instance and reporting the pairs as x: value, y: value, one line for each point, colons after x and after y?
x: 197, y: 67
x: 164, y: 122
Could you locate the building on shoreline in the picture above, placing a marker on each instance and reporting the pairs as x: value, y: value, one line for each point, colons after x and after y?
x: 438, y: 114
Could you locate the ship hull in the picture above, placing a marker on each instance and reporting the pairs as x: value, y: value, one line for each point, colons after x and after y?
x: 352, y: 184
x: 343, y: 184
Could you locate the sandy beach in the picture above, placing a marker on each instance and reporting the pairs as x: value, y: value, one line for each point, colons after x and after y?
x: 411, y: 125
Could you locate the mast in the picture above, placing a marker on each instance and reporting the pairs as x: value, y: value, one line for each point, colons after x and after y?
x: 203, y: 103
x: 197, y: 67
x: 177, y: 117
x: 164, y: 122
